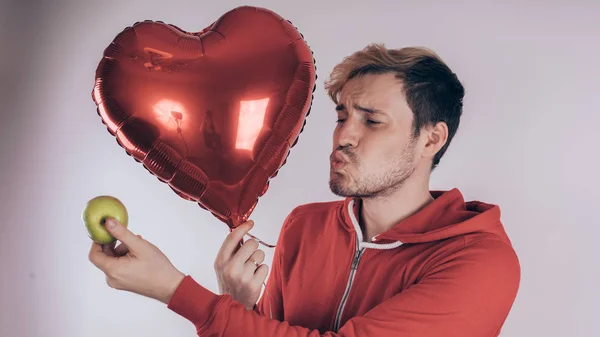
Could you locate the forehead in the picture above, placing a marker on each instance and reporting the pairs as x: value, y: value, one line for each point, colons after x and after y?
x: 378, y: 91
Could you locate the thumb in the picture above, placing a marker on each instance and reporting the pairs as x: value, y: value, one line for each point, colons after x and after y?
x: 240, y: 231
x: 116, y: 229
x: 234, y: 240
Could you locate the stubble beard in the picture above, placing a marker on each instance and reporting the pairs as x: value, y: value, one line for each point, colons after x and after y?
x: 380, y: 183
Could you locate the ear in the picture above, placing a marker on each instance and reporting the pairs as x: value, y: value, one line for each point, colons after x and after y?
x: 437, y: 136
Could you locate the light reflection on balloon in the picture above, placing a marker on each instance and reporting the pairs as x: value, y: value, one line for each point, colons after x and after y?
x: 170, y: 113
x: 250, y: 123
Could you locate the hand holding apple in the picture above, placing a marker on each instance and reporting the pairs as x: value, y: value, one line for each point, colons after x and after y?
x: 136, y: 265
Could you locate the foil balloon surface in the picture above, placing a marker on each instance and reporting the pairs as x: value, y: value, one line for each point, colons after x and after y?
x: 214, y: 113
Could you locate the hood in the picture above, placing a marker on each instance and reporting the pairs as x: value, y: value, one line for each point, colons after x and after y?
x: 448, y: 215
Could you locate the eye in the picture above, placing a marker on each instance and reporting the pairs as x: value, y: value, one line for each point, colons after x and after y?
x: 371, y: 122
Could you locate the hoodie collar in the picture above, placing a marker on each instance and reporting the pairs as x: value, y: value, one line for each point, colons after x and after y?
x: 446, y: 216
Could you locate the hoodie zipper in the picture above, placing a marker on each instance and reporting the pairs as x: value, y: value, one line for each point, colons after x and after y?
x: 338, y: 317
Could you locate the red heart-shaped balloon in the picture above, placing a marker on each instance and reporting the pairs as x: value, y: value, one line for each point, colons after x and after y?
x: 213, y: 114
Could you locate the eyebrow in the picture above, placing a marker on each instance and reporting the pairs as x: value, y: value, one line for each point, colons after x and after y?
x: 341, y: 107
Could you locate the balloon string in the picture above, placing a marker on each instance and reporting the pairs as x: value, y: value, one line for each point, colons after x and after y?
x: 260, y: 241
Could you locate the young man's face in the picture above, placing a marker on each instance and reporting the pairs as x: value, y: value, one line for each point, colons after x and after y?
x: 373, y: 146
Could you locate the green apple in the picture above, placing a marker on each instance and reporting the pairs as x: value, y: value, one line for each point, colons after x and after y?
x: 95, y: 213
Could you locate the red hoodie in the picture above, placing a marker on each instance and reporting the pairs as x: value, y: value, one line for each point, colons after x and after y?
x: 448, y: 270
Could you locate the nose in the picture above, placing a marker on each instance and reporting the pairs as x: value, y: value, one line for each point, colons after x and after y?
x: 347, y: 134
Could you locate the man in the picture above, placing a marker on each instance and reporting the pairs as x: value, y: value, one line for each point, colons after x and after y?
x: 390, y: 259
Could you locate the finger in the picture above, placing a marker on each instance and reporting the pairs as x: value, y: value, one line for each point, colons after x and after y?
x: 260, y: 275
x: 258, y: 256
x: 98, y: 257
x: 122, y: 249
x: 122, y: 234
x: 246, y: 278
x: 244, y: 253
x: 109, y: 249
x: 254, y: 262
x: 230, y: 245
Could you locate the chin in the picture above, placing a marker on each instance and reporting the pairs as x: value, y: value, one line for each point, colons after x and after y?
x: 338, y: 186
x: 338, y: 192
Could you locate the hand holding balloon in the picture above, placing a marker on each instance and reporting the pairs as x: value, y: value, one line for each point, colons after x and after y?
x: 239, y: 269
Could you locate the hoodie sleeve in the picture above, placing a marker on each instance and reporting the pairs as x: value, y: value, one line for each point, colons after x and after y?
x: 467, y: 294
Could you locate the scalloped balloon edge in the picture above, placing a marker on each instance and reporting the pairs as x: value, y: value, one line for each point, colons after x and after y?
x: 292, y: 145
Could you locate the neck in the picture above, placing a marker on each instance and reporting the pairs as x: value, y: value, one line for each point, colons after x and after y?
x: 380, y: 213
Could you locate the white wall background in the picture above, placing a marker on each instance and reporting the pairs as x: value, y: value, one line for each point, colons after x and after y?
x: 528, y: 141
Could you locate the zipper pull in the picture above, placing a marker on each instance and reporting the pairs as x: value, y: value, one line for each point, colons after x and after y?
x: 356, y: 259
